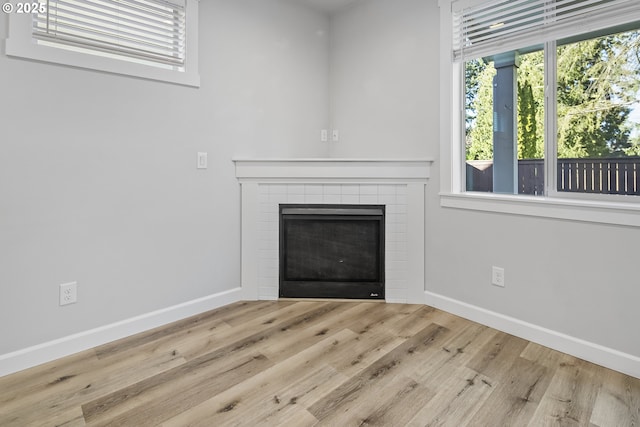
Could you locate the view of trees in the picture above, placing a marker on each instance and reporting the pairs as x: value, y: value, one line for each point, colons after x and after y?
x: 598, y: 87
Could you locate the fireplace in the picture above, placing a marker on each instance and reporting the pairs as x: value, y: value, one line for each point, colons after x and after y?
x: 398, y: 185
x: 332, y: 251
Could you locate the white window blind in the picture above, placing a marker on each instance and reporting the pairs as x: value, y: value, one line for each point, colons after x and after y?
x: 148, y: 30
x: 482, y: 28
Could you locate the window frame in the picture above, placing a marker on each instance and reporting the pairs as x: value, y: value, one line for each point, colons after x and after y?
x: 20, y: 43
x: 598, y: 208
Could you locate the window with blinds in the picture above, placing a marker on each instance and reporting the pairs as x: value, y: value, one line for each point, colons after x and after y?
x: 489, y: 27
x: 547, y: 97
x: 147, y: 31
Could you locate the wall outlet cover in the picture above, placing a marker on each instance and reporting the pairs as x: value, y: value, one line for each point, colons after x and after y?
x: 68, y: 293
x: 497, y: 276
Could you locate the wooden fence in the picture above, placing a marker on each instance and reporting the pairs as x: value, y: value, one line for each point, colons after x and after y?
x: 603, y: 176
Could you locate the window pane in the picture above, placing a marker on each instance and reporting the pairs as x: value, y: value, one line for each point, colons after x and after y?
x: 504, y: 145
x: 599, y: 115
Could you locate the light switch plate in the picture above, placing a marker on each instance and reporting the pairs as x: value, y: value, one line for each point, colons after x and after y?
x: 202, y: 160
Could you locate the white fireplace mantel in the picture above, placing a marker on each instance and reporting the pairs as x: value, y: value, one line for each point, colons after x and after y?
x: 399, y: 184
x: 364, y: 170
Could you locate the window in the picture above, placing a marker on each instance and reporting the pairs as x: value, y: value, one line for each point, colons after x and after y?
x: 598, y: 115
x: 504, y: 123
x: 145, y: 38
x: 544, y: 101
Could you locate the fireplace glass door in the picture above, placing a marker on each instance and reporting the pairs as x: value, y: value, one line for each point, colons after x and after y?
x: 332, y: 251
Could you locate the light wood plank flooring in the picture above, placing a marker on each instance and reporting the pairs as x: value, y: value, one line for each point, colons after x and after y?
x: 328, y: 363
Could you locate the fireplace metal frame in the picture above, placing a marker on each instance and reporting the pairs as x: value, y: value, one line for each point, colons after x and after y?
x: 351, y: 289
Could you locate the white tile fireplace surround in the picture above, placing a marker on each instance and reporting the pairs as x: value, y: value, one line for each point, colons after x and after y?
x: 397, y: 184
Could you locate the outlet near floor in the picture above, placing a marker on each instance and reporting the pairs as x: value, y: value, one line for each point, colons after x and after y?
x: 68, y: 293
x: 497, y: 276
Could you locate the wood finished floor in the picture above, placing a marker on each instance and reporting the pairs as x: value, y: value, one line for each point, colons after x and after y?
x: 306, y: 363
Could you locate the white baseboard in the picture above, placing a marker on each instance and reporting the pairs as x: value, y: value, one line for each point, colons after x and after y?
x: 46, y: 352
x: 595, y: 353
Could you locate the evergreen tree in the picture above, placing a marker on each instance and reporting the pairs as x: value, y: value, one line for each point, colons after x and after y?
x: 527, y: 134
x: 479, y: 143
x: 531, y: 106
x: 598, y: 85
x: 598, y: 81
x: 472, y: 71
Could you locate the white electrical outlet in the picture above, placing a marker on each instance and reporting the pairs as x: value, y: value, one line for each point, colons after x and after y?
x: 497, y: 276
x: 324, y: 135
x: 68, y: 293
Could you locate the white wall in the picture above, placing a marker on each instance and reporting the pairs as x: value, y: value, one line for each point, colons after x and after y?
x: 101, y: 187
x: 578, y: 279
x: 575, y: 278
x: 382, y: 98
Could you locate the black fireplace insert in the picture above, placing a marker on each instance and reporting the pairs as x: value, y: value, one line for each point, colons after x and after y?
x: 332, y: 251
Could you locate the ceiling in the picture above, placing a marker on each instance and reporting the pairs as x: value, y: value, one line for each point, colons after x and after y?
x: 327, y: 6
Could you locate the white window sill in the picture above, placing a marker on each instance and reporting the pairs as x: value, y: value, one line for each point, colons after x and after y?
x: 569, y: 209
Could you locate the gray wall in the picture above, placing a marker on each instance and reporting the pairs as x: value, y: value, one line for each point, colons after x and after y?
x: 575, y: 278
x: 98, y: 182
x: 383, y: 82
